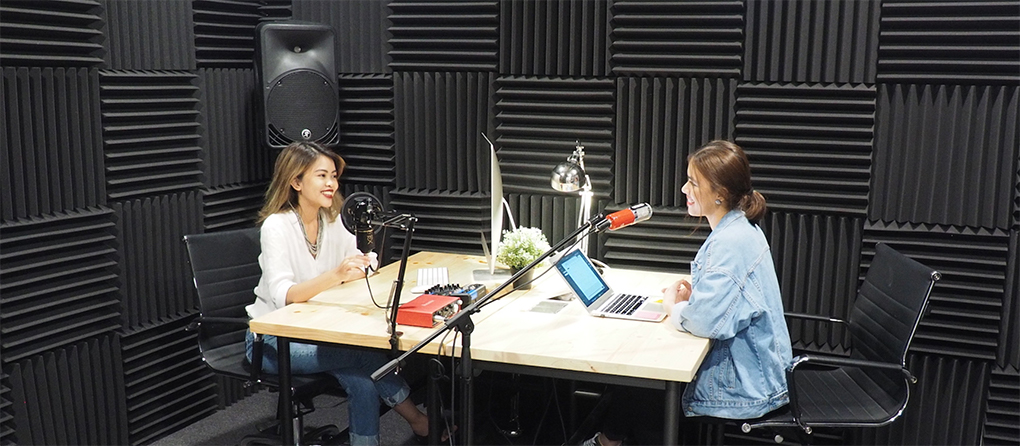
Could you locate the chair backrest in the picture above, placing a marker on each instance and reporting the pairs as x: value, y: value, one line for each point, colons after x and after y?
x: 889, y: 306
x: 226, y: 269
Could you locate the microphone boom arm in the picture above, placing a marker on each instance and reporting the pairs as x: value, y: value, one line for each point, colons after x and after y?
x: 475, y: 306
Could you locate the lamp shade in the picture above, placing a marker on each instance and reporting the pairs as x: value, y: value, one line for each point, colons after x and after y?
x: 567, y: 177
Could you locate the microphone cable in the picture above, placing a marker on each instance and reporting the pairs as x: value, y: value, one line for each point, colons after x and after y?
x: 368, y: 284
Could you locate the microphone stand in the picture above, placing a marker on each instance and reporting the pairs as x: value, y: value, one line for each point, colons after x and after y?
x: 462, y: 322
x: 406, y: 223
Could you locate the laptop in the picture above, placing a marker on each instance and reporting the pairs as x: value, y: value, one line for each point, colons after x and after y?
x: 587, y: 284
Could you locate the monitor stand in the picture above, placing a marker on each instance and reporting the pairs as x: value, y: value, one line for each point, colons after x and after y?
x: 498, y: 275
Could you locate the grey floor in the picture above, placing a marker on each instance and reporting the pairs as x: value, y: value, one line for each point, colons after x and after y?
x: 230, y: 425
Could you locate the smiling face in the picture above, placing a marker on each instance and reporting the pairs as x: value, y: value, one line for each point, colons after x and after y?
x: 694, y: 191
x: 701, y: 197
x: 317, y: 184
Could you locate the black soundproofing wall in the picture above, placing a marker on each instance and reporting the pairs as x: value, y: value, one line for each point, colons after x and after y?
x: 128, y: 124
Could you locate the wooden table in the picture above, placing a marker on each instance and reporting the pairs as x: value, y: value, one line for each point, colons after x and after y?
x: 572, y: 344
x: 508, y: 335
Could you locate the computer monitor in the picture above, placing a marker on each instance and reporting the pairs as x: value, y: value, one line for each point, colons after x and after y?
x: 496, y: 204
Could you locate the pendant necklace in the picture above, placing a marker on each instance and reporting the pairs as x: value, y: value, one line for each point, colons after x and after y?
x: 313, y: 248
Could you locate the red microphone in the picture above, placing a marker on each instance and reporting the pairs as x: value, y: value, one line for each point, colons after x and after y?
x: 621, y: 219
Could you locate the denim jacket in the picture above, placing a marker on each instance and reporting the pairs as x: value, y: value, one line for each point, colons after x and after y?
x: 736, y: 303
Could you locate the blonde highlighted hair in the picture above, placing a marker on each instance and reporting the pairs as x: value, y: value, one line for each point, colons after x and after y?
x: 291, y: 164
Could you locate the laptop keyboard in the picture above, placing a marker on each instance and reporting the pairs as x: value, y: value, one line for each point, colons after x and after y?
x: 625, y: 304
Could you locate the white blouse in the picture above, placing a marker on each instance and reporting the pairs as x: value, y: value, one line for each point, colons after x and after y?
x: 285, y: 259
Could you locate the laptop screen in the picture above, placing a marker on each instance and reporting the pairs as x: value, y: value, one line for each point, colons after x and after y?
x: 580, y: 274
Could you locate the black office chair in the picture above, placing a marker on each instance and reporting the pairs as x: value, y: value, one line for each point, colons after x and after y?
x: 226, y: 270
x: 870, y: 388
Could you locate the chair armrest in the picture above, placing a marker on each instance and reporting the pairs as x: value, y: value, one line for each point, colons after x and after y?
x: 238, y: 321
x: 848, y: 362
x: 814, y: 317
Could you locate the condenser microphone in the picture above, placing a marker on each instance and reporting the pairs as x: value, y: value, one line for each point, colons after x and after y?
x: 364, y: 213
x: 360, y: 215
x: 621, y: 219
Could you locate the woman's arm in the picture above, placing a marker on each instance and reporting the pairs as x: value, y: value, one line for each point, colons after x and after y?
x: 351, y: 268
x: 717, y: 308
x: 278, y: 262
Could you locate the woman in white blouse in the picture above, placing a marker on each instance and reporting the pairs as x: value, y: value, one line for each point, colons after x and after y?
x: 306, y: 250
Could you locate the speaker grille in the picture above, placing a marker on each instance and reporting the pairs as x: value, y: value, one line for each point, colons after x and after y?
x: 299, y: 101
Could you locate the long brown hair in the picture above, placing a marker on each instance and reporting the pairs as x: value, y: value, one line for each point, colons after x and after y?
x: 291, y: 164
x: 724, y: 165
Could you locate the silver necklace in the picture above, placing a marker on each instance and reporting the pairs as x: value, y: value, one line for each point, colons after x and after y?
x: 313, y: 248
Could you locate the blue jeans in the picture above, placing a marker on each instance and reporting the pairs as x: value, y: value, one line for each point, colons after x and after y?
x: 353, y: 369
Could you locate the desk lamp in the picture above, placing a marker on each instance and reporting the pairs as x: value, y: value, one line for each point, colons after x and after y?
x: 567, y: 177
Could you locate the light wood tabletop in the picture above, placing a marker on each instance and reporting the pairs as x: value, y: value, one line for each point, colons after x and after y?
x: 347, y: 315
x: 508, y: 330
x: 571, y: 339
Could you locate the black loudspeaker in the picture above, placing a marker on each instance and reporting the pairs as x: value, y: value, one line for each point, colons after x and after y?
x: 296, y: 71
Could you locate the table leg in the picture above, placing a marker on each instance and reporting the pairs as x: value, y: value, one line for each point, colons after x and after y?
x: 671, y: 424
x: 283, y: 359
x: 435, y: 411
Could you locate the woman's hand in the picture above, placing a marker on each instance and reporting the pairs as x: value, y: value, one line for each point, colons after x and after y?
x: 352, y: 268
x: 679, y: 291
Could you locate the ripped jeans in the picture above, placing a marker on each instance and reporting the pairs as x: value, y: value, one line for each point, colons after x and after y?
x: 353, y: 369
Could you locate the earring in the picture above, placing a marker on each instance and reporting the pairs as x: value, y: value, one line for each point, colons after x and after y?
x: 717, y: 201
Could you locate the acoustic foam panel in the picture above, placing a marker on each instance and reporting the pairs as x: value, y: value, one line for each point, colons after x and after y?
x: 666, y: 242
x: 232, y: 207
x: 448, y: 221
x: 6, y: 410
x: 945, y: 154
x: 809, y: 145
x: 51, y: 33
x: 936, y: 413
x: 152, y: 135
x: 448, y: 36
x: 539, y: 121
x: 156, y: 278
x: 676, y: 38
x: 144, y: 34
x: 439, y: 118
x: 51, y: 156
x: 58, y: 281
x: 167, y: 385
x: 966, y: 305
x: 659, y: 122
x: 809, y: 41
x: 1002, y: 408
x: 71, y: 395
x: 234, y: 153
x: 367, y: 129
x: 558, y: 38
x: 1009, y: 332
x: 556, y: 215
x: 361, y: 28
x: 225, y: 30
x: 816, y: 258
x: 945, y: 41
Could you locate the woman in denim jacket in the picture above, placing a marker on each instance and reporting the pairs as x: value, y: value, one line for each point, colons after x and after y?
x: 733, y: 297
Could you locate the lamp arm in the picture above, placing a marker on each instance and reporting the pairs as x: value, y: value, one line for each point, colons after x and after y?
x: 464, y: 316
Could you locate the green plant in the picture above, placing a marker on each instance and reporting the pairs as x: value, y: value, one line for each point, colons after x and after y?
x: 521, y: 247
